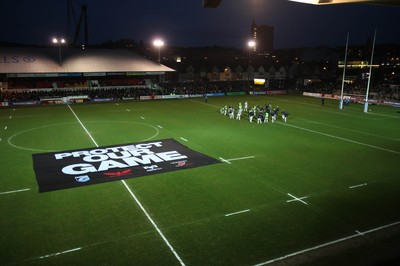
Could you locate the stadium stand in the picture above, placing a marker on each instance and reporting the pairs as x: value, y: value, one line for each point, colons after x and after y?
x: 28, y: 74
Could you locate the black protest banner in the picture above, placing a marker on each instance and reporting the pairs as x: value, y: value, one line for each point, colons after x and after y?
x: 75, y: 168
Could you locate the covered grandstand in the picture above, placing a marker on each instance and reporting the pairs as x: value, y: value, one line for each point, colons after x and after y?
x: 38, y: 74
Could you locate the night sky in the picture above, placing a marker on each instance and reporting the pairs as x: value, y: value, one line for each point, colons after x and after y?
x: 187, y: 23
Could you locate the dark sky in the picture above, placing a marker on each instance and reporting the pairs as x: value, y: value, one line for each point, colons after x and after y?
x: 187, y: 23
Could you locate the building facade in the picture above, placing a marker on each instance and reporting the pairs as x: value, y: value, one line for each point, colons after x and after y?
x: 263, y: 37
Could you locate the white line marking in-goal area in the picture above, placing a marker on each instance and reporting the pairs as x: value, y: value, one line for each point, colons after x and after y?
x: 340, y: 138
x: 239, y: 212
x: 136, y: 200
x: 14, y: 191
x: 359, y: 234
x: 184, y: 139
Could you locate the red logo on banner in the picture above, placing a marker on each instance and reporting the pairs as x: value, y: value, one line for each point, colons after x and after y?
x: 119, y: 174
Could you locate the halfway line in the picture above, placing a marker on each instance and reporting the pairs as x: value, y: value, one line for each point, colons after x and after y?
x: 87, y: 132
x: 137, y: 201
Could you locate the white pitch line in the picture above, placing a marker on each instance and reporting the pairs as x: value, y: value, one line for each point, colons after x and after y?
x: 128, y: 110
x: 235, y: 159
x: 15, y: 191
x: 340, y: 138
x: 359, y: 234
x: 137, y: 201
x: 159, y: 126
x: 184, y: 139
x: 360, y: 185
x: 239, y: 212
x: 84, y: 128
x: 153, y: 223
x: 241, y: 158
x: 5, y: 128
x: 225, y: 161
x: 60, y: 253
x: 348, y: 129
x: 142, y: 117
x: 10, y: 116
x: 297, y: 199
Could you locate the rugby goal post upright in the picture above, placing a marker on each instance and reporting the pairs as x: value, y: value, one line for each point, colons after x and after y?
x: 369, y: 76
x: 344, y: 73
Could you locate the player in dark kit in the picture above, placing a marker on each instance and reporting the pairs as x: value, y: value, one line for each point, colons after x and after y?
x: 251, y: 115
x: 284, y: 115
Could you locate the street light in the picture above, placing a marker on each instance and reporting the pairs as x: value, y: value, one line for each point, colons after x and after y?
x: 59, y: 42
x: 158, y: 43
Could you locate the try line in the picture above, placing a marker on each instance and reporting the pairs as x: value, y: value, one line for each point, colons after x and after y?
x: 340, y: 138
x: 135, y: 198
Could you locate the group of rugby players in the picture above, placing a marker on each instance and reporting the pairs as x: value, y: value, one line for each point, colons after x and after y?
x: 259, y: 112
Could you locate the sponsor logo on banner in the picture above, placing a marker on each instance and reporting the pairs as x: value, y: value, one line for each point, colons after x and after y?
x: 181, y: 163
x: 152, y: 168
x: 66, y: 169
x: 118, y: 174
x: 82, y: 178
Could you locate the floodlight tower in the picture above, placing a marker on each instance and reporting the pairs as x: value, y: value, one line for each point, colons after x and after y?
x: 250, y: 45
x: 158, y: 43
x: 59, y: 41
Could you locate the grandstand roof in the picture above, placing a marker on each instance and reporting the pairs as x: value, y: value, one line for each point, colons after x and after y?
x: 46, y: 60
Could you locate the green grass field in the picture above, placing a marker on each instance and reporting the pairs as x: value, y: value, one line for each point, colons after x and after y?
x: 326, y: 178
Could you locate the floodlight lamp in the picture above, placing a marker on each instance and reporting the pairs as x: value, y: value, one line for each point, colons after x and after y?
x: 158, y: 43
x: 55, y: 40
